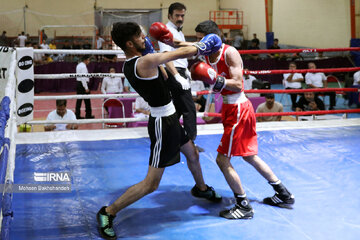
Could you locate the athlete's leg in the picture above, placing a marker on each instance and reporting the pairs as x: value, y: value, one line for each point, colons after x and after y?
x: 261, y: 167
x: 231, y: 176
x: 106, y: 215
x: 242, y: 208
x: 200, y: 189
x: 193, y: 163
x: 137, y: 191
x: 282, y: 197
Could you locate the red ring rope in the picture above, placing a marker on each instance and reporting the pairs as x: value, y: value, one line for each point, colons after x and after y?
x: 327, y: 70
x: 320, y: 112
x: 291, y: 90
x: 306, y: 50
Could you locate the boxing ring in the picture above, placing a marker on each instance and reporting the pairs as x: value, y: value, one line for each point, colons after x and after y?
x: 318, y: 161
x: 320, y: 164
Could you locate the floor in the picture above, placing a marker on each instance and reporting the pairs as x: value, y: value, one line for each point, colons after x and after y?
x: 320, y: 166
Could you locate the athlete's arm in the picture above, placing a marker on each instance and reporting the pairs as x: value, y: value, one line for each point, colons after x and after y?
x: 235, y: 65
x: 147, y: 65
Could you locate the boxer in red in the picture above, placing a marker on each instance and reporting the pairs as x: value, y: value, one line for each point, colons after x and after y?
x: 223, y: 70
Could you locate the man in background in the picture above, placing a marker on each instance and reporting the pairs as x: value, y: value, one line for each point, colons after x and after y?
x: 180, y: 84
x: 83, y: 88
x: 270, y: 105
x: 61, y: 113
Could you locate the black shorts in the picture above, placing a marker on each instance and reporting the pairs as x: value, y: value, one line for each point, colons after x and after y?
x: 166, y: 136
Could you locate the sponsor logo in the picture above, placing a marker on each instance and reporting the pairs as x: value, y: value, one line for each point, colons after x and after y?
x: 26, y: 85
x: 4, y: 49
x: 259, y: 72
x: 25, y: 109
x: 52, y: 177
x: 25, y: 62
x: 3, y: 72
x: 309, y: 50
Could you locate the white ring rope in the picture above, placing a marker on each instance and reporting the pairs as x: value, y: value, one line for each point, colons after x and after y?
x: 99, y: 120
x: 79, y: 51
x: 88, y: 96
x: 74, y: 75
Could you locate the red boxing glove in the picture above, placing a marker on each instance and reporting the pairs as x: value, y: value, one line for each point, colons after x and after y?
x: 160, y: 32
x: 203, y: 72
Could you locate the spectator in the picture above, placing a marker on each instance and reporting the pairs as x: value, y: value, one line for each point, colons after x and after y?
x: 199, y: 100
x: 86, y: 45
x: 61, y: 113
x: 269, y: 106
x: 255, y: 40
x: 276, y: 46
x: 111, y: 84
x: 22, y: 39
x: 254, y: 46
x: 320, y: 55
x: 293, y: 81
x: 66, y: 45
x: 318, y: 80
x: 353, y: 97
x: 44, y: 36
x: 248, y: 81
x: 127, y: 86
x: 3, y: 39
x: 238, y: 40
x: 76, y: 44
x: 52, y: 44
x: 44, y: 45
x: 99, y: 42
x: 38, y: 58
x: 110, y: 57
x: 357, y: 78
x: 142, y: 108
x: 82, y: 88
x: 47, y: 59
x: 63, y: 56
x: 309, y: 102
x: 99, y: 45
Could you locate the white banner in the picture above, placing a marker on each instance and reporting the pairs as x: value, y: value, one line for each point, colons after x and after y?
x: 5, y: 58
x: 25, y: 85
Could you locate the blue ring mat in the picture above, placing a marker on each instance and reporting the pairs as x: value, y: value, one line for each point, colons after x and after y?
x: 320, y: 166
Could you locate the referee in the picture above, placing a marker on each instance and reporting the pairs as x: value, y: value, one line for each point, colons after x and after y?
x: 180, y: 84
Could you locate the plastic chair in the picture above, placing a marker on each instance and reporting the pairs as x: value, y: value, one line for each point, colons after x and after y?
x: 113, y: 108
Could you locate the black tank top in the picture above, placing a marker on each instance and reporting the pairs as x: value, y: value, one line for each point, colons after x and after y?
x: 154, y: 91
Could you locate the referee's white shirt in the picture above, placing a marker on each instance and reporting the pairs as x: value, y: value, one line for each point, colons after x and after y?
x: 181, y: 63
x: 81, y: 68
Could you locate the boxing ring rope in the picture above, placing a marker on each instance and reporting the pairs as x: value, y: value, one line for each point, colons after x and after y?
x: 263, y: 72
x: 78, y: 52
x: 74, y: 75
x: 10, y: 146
x: 326, y: 70
x: 256, y: 72
x: 205, y: 92
x: 303, y: 113
x: 300, y: 50
x: 206, y: 114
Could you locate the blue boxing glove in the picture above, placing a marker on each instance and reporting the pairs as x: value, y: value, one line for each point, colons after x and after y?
x: 209, y: 44
x: 148, y: 47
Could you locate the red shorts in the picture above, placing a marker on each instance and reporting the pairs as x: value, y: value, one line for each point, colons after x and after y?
x: 239, y: 138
